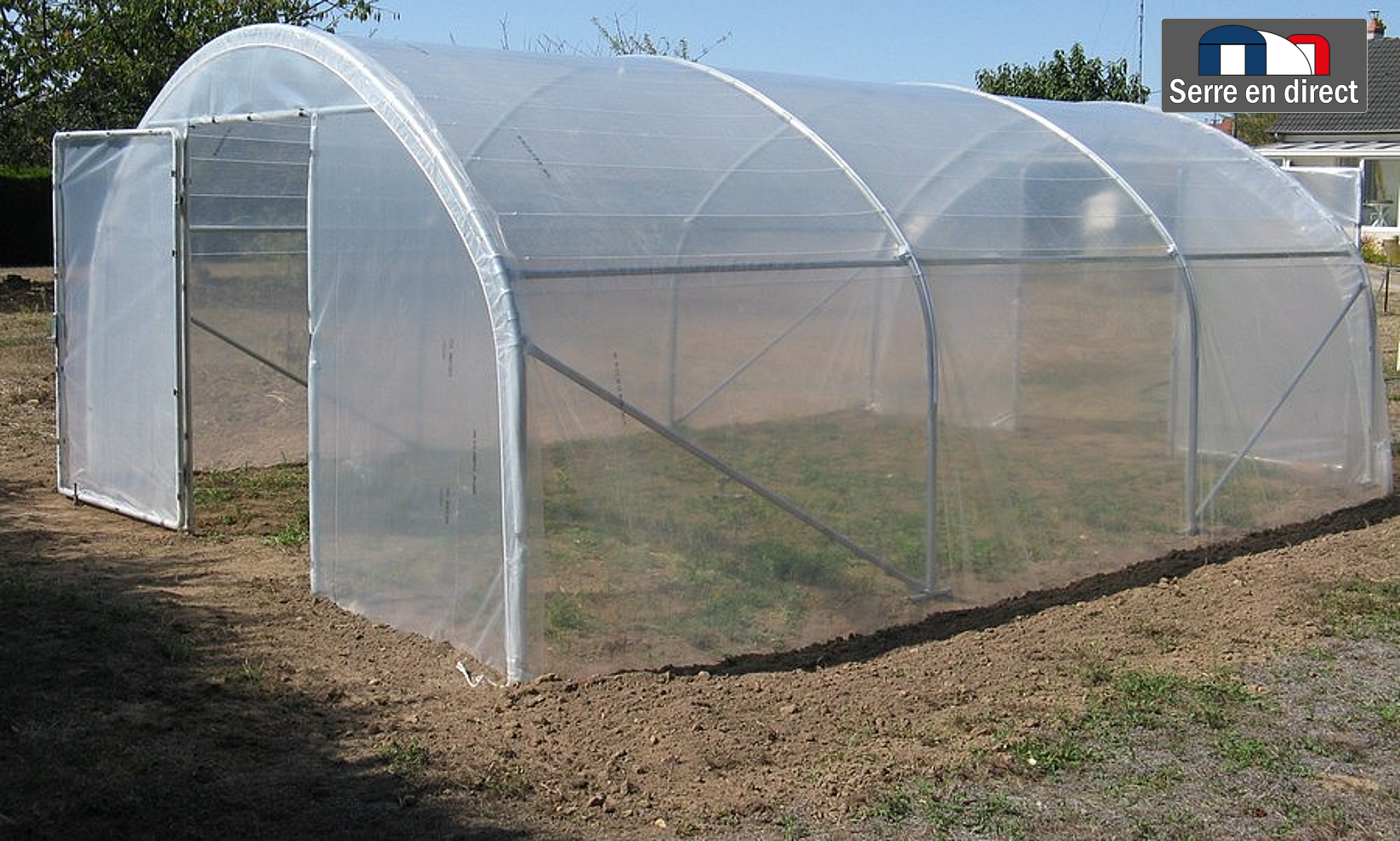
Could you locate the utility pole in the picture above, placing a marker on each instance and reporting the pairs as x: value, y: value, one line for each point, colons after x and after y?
x: 1141, y: 9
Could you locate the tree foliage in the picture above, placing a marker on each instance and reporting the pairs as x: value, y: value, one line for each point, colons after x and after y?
x: 76, y: 64
x: 1253, y: 129
x: 1071, y: 76
x: 618, y: 38
x: 621, y: 40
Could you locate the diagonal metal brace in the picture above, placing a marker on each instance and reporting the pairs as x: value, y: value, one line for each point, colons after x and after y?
x: 772, y: 496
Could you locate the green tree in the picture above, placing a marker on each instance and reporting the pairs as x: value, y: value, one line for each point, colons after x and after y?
x: 1253, y: 129
x: 77, y: 64
x: 1071, y: 76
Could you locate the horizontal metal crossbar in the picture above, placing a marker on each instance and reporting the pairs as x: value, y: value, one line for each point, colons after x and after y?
x: 247, y: 229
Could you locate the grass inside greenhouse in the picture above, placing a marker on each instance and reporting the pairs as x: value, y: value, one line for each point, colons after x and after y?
x: 652, y: 557
x: 655, y: 557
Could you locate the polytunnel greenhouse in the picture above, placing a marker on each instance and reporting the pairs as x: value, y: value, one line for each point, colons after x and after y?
x: 618, y: 363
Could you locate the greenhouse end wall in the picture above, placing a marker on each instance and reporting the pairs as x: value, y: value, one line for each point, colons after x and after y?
x: 625, y: 362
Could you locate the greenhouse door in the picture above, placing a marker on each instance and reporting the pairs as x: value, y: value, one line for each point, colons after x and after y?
x: 119, y: 323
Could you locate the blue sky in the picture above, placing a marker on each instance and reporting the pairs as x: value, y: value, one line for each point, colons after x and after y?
x: 866, y: 40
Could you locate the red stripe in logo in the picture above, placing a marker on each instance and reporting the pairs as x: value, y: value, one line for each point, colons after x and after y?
x: 1322, y: 52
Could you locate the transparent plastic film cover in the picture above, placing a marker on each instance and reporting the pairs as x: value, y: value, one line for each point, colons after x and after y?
x: 720, y: 477
x: 1213, y: 194
x: 595, y: 165
x: 619, y: 362
x: 1083, y: 481
x: 246, y: 204
x: 406, y: 461
x: 969, y: 177
x: 1288, y: 417
x: 118, y: 354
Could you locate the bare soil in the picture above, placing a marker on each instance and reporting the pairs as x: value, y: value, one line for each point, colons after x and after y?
x: 154, y: 684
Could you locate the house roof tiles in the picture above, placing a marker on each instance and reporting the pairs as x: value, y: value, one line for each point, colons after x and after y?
x: 1382, y: 114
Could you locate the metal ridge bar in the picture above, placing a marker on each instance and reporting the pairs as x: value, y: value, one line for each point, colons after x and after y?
x: 1037, y: 259
x: 259, y: 116
x: 875, y: 263
x: 1269, y: 255
x: 714, y: 268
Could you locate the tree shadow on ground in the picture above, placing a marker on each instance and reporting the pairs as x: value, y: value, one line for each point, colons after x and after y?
x: 122, y: 715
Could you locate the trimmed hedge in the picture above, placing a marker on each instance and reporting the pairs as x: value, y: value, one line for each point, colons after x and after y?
x: 26, y: 220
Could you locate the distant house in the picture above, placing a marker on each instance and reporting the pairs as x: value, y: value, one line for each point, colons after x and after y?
x: 1369, y: 141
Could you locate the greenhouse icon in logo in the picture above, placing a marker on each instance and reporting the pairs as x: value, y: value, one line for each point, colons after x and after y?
x: 1235, y: 50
